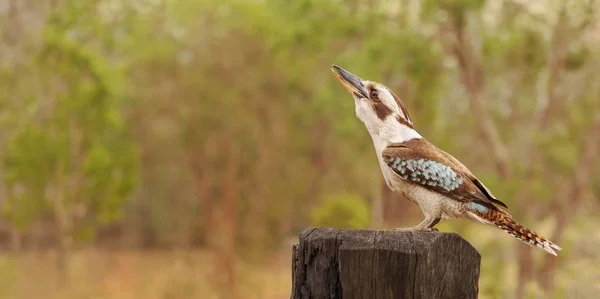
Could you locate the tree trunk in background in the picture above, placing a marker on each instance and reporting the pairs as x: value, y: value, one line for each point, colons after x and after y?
x: 524, y: 253
x: 318, y: 138
x: 572, y: 200
x: 473, y: 78
x: 377, y: 219
x: 557, y: 68
x: 255, y: 225
x: 198, y: 161
x: 318, y: 161
x: 229, y: 194
x: 281, y: 137
x: 525, y: 267
x: 65, y: 243
x: 207, y: 205
x: 184, y: 222
x: 16, y: 240
x: 63, y: 254
x: 62, y: 224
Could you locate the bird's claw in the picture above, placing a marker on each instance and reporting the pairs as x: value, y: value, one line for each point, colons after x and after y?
x: 416, y: 229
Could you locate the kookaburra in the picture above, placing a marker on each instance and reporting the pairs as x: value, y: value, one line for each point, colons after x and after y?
x: 441, y: 185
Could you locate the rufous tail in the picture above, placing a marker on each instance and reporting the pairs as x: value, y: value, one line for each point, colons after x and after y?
x: 504, y: 221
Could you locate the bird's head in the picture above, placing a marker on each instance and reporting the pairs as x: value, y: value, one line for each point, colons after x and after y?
x: 376, y: 105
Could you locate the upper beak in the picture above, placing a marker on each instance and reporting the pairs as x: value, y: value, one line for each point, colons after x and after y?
x: 349, y: 81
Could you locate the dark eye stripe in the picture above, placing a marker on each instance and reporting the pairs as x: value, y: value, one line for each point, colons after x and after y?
x: 381, y: 110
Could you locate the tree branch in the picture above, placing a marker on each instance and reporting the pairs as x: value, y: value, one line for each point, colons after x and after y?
x: 576, y: 192
x: 473, y: 77
x: 557, y: 66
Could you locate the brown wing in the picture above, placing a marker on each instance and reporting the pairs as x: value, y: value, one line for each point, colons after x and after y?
x: 420, y: 162
x: 472, y: 177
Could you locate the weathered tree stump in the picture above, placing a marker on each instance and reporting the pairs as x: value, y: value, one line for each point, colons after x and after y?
x: 333, y: 263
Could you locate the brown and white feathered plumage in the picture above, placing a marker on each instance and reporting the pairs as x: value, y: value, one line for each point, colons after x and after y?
x: 440, y: 184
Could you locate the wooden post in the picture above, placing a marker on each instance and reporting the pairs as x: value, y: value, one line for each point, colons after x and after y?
x: 332, y: 263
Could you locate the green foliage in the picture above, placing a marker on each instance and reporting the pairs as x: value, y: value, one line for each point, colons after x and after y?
x: 516, y: 48
x: 24, y: 162
x: 462, y: 5
x: 79, y: 153
x: 576, y: 58
x: 341, y: 211
x: 456, y: 9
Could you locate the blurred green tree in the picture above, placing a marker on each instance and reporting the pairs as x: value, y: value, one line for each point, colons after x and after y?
x: 342, y: 211
x: 73, y: 155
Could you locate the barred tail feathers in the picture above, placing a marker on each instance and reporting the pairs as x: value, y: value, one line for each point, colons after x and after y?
x: 504, y: 221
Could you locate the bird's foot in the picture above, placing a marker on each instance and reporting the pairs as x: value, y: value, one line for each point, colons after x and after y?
x: 416, y: 229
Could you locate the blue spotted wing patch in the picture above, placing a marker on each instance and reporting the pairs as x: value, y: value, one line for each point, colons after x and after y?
x: 425, y: 172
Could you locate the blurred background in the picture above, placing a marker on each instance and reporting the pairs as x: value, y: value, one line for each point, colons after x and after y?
x: 176, y: 149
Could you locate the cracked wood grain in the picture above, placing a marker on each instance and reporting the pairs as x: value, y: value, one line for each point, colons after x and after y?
x: 333, y: 263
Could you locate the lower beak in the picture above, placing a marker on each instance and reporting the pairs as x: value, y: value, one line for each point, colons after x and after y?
x: 349, y: 81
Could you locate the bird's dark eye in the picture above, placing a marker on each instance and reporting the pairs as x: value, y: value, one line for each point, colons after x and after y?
x: 373, y: 94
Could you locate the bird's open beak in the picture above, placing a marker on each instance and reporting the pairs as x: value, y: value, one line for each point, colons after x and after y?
x: 350, y: 82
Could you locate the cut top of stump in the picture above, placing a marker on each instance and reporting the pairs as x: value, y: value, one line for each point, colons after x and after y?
x: 334, y: 263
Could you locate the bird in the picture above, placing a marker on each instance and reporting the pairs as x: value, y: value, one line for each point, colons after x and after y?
x: 442, y: 186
